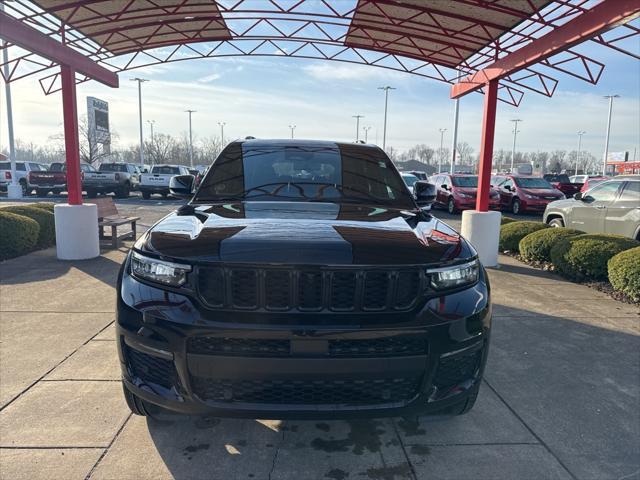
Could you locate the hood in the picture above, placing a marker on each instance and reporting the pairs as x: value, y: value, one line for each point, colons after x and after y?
x: 305, y: 233
x: 543, y: 192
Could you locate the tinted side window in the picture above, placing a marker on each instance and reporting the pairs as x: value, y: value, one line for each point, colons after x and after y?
x: 605, y: 192
x: 631, y: 193
x: 20, y: 166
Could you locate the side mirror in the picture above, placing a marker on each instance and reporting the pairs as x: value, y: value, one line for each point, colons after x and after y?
x: 425, y: 193
x: 444, y: 186
x: 181, y: 186
x: 578, y: 196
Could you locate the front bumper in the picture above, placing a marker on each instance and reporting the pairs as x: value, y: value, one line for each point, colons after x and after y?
x: 535, y: 205
x: 470, y: 204
x: 176, y: 354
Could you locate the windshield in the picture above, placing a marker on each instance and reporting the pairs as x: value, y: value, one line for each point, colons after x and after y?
x: 561, y: 178
x: 533, y: 182
x: 304, y: 172
x: 409, y: 179
x: 113, y: 167
x: 56, y: 167
x: 166, y: 170
x: 471, y: 182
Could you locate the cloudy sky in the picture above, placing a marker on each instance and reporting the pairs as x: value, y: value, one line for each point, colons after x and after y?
x: 263, y: 96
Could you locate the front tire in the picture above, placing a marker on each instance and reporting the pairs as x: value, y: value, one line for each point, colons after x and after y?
x: 557, y: 223
x: 23, y: 186
x: 515, y: 207
x: 41, y: 192
x: 123, y: 192
x: 451, y: 206
x: 135, y: 403
x: 91, y: 193
x: 146, y: 195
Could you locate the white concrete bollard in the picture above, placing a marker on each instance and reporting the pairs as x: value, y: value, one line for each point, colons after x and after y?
x: 14, y: 191
x: 77, y: 231
x: 482, y: 229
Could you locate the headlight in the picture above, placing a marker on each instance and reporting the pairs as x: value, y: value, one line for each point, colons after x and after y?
x: 526, y: 195
x: 455, y: 276
x: 464, y: 195
x: 167, y: 273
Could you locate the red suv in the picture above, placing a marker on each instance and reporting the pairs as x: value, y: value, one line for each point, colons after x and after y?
x: 458, y: 192
x: 519, y: 193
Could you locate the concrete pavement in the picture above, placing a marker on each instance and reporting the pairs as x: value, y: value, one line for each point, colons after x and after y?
x: 560, y: 398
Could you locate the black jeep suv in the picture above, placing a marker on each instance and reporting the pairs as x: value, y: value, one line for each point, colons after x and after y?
x: 302, y: 280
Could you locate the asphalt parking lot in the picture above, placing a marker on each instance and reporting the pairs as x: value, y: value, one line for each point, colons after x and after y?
x: 559, y: 401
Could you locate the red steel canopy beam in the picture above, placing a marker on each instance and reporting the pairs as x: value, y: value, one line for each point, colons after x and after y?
x: 599, y: 19
x: 19, y: 33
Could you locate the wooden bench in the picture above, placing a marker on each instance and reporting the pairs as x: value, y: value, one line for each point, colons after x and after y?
x: 108, y: 216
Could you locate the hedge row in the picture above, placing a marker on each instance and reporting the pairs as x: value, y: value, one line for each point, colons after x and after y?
x: 24, y: 228
x: 576, y: 255
x: 624, y: 272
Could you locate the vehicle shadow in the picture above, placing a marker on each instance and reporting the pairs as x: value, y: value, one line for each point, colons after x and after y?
x: 569, y: 384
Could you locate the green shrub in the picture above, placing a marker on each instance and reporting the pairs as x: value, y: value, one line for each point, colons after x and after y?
x: 48, y: 206
x: 18, y: 234
x: 512, y: 233
x: 537, y: 245
x: 585, y: 257
x: 624, y: 272
x: 45, y: 219
x: 504, y: 220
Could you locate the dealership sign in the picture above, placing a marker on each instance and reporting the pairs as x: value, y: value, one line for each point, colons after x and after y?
x: 98, y: 123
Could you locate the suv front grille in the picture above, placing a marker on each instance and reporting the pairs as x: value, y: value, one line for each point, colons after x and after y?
x: 309, y: 290
x: 308, y: 392
x: 397, y: 346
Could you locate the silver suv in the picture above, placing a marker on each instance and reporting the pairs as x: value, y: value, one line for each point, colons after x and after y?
x: 609, y: 207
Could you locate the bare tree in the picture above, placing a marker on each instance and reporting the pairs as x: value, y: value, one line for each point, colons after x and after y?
x: 466, y: 152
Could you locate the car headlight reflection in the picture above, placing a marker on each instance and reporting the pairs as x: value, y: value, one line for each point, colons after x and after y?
x: 159, y: 271
x: 455, y: 276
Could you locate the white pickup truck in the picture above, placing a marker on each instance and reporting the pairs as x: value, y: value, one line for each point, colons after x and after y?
x: 157, y: 181
x: 22, y: 174
x: 119, y: 178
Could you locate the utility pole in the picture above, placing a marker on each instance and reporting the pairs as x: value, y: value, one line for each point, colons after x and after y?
x: 292, y: 127
x: 366, y: 133
x: 515, y: 134
x: 14, y: 190
x: 358, y: 117
x: 222, y: 124
x: 190, y: 138
x: 140, y: 81
x: 606, y: 140
x: 386, y: 105
x: 441, y: 154
x: 580, y: 133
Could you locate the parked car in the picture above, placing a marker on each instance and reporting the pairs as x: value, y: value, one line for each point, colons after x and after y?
x: 197, y: 174
x: 55, y: 178
x: 420, y: 174
x: 117, y: 178
x: 562, y: 182
x: 302, y: 280
x: 22, y: 174
x: 520, y: 194
x: 592, y: 181
x: 609, y: 207
x: 157, y: 181
x: 409, y: 179
x: 458, y: 192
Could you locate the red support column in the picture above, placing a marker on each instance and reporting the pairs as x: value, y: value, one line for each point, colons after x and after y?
x: 71, y: 139
x: 486, y: 145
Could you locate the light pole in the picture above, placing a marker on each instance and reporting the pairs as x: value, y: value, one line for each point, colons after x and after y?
x: 386, y: 104
x: 358, y: 117
x: 606, y: 140
x: 580, y: 133
x: 515, y: 134
x: 151, y: 122
x: 441, y: 130
x: 292, y: 128
x: 14, y: 190
x: 190, y: 138
x: 366, y: 133
x: 222, y: 124
x: 140, y: 81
